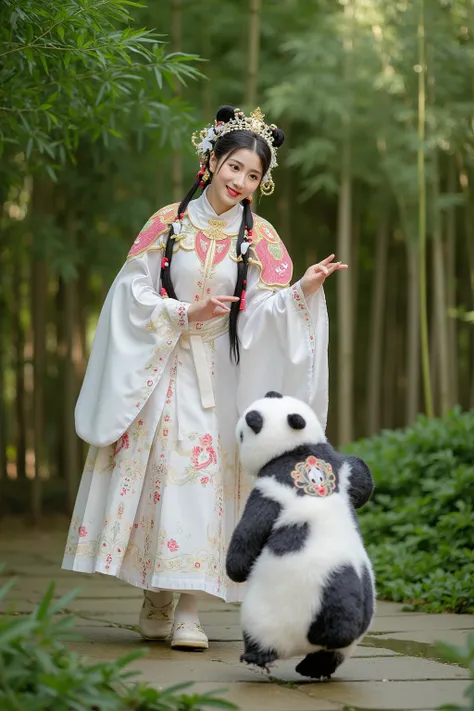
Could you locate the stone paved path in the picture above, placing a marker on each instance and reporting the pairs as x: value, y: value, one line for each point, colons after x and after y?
x: 395, y: 668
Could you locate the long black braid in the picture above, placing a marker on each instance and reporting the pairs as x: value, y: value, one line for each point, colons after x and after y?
x: 226, y: 145
x: 199, y: 182
x: 246, y: 227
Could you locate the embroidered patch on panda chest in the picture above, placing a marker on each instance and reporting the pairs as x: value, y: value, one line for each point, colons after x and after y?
x: 314, y: 476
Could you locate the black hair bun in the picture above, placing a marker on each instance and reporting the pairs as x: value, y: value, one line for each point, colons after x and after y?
x: 225, y: 113
x: 278, y: 137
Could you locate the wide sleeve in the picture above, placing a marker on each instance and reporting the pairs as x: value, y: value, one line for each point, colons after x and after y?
x: 136, y: 333
x: 283, y: 335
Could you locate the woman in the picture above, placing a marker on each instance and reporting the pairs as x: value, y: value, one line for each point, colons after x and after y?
x: 199, y: 322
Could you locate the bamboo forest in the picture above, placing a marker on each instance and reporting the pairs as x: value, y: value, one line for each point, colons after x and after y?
x: 98, y: 102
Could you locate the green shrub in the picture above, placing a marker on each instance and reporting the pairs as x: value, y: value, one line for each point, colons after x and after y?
x: 465, y: 657
x: 39, y: 673
x: 419, y: 527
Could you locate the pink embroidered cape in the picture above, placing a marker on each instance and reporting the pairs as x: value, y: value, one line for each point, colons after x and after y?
x: 269, y: 253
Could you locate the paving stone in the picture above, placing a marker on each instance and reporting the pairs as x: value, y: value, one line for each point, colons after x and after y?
x: 389, y: 609
x: 410, y: 622
x: 88, y: 587
x: 13, y: 604
x: 260, y: 696
x: 80, y: 622
x: 220, y: 618
x: 101, y: 607
x: 108, y: 643
x: 363, y: 650
x: 229, y: 633
x: 428, y: 636
x: 395, y: 695
x: 220, y: 606
x: 195, y: 667
x: 46, y: 570
x: 378, y: 669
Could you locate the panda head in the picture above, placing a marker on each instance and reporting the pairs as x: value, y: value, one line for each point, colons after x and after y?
x: 272, y: 426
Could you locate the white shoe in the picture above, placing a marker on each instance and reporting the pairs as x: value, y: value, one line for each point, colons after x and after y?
x: 155, y: 622
x: 189, y: 635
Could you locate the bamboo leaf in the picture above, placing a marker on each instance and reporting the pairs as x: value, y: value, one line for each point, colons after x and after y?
x: 44, y: 63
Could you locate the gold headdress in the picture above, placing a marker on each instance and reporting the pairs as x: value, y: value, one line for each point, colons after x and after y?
x: 205, y: 139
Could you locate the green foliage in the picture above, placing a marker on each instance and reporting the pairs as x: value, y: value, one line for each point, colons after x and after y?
x: 463, y: 315
x: 359, y: 70
x: 419, y: 527
x: 78, y: 68
x: 38, y: 672
x: 465, y: 657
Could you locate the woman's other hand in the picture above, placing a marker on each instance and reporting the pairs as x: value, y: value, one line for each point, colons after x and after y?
x: 315, y: 276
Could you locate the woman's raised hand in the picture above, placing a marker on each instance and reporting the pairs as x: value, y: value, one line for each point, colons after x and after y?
x: 315, y: 276
x: 210, y: 307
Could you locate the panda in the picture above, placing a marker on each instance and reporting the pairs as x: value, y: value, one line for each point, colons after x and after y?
x: 310, y: 585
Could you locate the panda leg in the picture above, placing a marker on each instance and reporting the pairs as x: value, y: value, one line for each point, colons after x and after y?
x: 255, y: 654
x: 341, y: 615
x: 320, y: 665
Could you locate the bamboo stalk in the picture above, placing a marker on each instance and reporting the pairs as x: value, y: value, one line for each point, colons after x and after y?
x: 38, y: 313
x: 440, y: 302
x: 355, y: 272
x: 69, y: 395
x: 344, y: 289
x: 376, y: 324
x: 433, y: 341
x: 253, y: 55
x: 389, y: 355
x: 413, y: 341
x: 425, y: 358
x: 465, y: 330
x: 451, y: 283
x: 19, y: 339
x: 3, y: 359
x: 176, y: 160
x: 344, y: 281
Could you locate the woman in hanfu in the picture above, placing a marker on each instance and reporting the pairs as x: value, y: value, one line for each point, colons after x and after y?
x: 200, y: 321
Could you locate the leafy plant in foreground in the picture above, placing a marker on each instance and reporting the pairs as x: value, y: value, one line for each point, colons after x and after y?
x: 465, y: 657
x: 39, y: 673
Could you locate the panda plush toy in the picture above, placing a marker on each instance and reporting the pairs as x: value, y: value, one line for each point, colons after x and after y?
x: 310, y: 585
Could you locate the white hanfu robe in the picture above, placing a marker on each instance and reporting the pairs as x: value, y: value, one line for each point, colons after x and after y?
x: 162, y: 490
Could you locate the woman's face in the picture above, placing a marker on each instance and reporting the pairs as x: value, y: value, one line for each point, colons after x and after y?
x: 234, y: 178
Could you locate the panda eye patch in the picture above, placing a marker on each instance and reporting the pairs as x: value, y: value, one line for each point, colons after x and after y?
x: 273, y: 393
x: 296, y: 422
x: 254, y: 421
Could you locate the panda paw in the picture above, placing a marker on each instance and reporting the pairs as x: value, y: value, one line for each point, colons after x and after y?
x: 259, y: 658
x: 320, y: 665
x: 255, y: 654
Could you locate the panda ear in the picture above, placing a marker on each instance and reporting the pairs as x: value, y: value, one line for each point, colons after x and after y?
x: 296, y: 422
x: 273, y: 393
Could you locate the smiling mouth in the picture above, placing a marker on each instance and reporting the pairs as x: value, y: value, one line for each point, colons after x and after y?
x: 232, y: 193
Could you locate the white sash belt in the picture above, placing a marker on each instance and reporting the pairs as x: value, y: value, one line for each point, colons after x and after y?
x: 195, y: 339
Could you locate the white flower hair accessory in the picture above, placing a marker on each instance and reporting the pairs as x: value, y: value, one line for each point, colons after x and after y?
x: 211, y: 134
